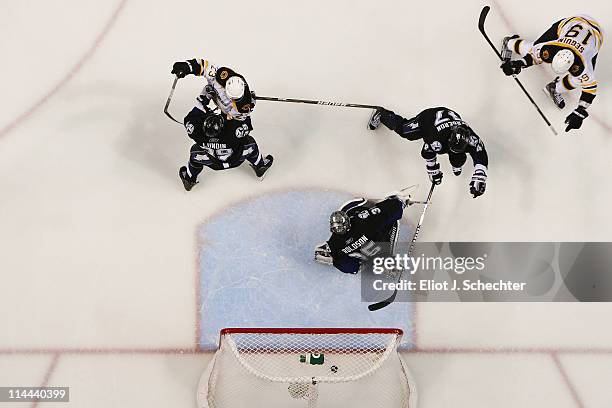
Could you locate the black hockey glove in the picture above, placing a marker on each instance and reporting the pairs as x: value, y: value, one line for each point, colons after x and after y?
x: 512, y: 67
x: 574, y: 120
x: 181, y: 69
x: 434, y: 173
x: 478, y: 184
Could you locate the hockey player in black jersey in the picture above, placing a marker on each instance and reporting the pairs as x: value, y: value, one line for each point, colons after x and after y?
x: 220, y: 144
x: 443, y: 132
x: 222, y: 134
x: 360, y: 230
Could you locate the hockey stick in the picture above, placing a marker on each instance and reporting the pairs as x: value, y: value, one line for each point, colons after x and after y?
x: 481, y: 27
x: 384, y: 303
x: 169, y: 99
x: 311, y: 102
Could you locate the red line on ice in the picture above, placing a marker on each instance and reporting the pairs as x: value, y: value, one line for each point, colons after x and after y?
x: 47, y: 376
x: 567, y: 381
x: 73, y: 71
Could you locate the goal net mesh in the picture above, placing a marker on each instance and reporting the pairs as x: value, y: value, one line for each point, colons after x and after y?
x: 299, y: 368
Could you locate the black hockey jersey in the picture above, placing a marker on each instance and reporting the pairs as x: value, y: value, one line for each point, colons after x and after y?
x: 370, y: 226
x: 228, y: 149
x: 434, y: 126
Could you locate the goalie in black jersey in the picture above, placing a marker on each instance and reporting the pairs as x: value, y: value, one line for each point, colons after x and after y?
x: 361, y: 230
x: 443, y: 132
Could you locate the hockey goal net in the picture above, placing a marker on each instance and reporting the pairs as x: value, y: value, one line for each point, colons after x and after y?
x: 322, y: 368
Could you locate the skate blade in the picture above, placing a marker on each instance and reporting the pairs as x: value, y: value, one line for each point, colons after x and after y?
x: 549, y: 98
x: 265, y: 174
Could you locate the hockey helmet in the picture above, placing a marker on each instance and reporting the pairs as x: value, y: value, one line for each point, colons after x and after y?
x: 213, y: 124
x: 234, y: 87
x: 458, y: 141
x: 339, y: 222
x: 562, y: 61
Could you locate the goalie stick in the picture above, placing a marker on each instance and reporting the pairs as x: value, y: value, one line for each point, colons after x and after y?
x: 481, y: 27
x: 384, y: 303
x: 169, y: 99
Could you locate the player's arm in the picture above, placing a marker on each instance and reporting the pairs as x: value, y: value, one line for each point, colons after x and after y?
x: 196, y: 66
x: 431, y: 164
x: 477, y: 151
x: 588, y: 84
x: 389, y: 210
x: 355, y: 202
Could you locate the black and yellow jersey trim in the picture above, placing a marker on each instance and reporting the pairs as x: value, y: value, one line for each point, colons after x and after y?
x: 593, y: 25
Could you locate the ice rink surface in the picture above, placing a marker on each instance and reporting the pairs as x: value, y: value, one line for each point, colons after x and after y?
x: 100, y: 247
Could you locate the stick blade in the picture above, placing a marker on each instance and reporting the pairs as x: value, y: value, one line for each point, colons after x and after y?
x: 483, y: 16
x: 382, y: 304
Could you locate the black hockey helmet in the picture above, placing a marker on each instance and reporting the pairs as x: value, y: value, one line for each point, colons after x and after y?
x: 339, y: 222
x: 213, y: 124
x: 458, y: 141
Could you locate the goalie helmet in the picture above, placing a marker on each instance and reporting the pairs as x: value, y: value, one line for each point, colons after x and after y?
x: 562, y: 61
x: 234, y: 87
x: 458, y: 141
x: 339, y: 222
x: 213, y: 124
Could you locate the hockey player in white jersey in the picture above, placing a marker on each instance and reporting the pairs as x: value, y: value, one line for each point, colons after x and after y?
x: 226, y: 88
x: 222, y: 138
x: 570, y: 46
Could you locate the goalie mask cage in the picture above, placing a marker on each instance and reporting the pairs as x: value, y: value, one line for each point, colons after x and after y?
x: 322, y: 368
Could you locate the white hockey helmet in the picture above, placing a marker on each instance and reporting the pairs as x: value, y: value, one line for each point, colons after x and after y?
x: 562, y: 61
x: 234, y: 87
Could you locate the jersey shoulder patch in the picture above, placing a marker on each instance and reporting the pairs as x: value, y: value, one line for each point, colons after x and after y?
x: 223, y: 74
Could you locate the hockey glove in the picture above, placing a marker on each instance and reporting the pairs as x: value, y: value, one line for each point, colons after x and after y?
x: 323, y: 254
x: 574, y: 120
x: 434, y: 173
x: 181, y: 69
x: 478, y: 184
x: 512, y: 67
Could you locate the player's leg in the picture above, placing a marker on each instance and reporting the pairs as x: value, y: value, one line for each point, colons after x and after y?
x: 252, y: 154
x: 521, y: 46
x: 198, y: 158
x: 390, y: 119
x: 457, y: 160
x: 557, y: 88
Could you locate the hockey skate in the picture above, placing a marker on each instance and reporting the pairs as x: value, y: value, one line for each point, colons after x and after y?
x: 556, y: 97
x: 374, y: 122
x: 261, y: 170
x: 506, y: 53
x: 187, y: 182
